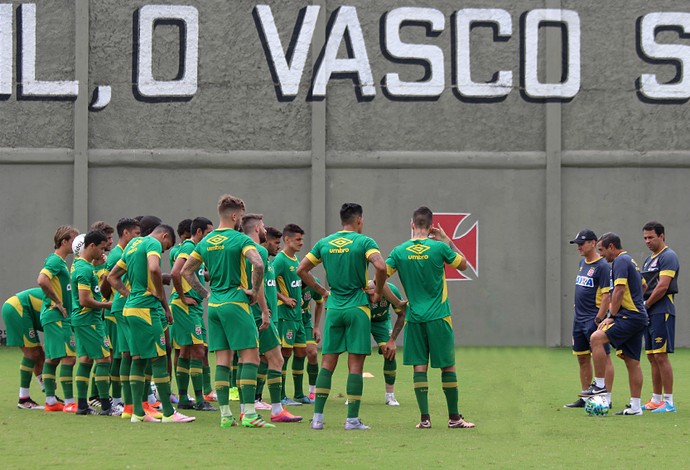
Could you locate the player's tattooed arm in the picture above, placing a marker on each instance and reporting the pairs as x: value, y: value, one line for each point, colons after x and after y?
x: 440, y: 235
x: 176, y: 275
x: 47, y: 287
x: 191, y: 266
x: 308, y: 279
x: 257, y: 274
x: 115, y: 280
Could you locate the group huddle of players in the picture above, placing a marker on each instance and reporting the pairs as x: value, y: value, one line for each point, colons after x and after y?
x: 110, y: 309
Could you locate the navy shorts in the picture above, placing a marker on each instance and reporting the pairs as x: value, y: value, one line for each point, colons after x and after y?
x: 582, y: 331
x: 625, y: 334
x: 659, y: 336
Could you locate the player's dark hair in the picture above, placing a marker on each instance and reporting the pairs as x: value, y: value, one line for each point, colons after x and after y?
x: 349, y: 212
x: 103, y: 227
x: 200, y: 223
x: 96, y: 237
x: 656, y: 226
x: 126, y: 223
x: 610, y: 238
x: 272, y: 232
x: 423, y: 217
x: 249, y: 221
x: 148, y: 223
x: 138, y: 218
x: 185, y: 226
x: 63, y: 232
x: 290, y: 230
x: 167, y: 229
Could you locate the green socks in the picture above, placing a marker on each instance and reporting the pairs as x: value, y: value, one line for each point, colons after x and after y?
x: 312, y: 372
x: 195, y: 372
x: 136, y: 382
x: 355, y: 385
x: 49, y: 378
x: 206, y: 374
x: 421, y: 391
x: 159, y: 368
x: 247, y: 384
x: 223, y: 385
x: 233, y: 374
x: 261, y: 378
x: 66, y: 372
x: 298, y: 375
x: 26, y: 369
x: 125, y: 367
x: 284, y: 374
x: 389, y: 371
x: 450, y: 389
x: 83, y: 373
x: 182, y: 372
x: 115, y: 378
x: 273, y: 381
x: 323, y: 388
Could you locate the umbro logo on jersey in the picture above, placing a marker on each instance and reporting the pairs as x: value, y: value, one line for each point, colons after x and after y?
x: 659, y: 340
x: 340, y: 244
x: 217, y: 239
x: 292, y: 269
x: 417, y: 249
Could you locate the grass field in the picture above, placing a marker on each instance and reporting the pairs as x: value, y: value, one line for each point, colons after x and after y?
x: 514, y: 395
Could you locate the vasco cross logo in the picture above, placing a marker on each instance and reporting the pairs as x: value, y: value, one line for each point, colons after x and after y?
x: 340, y: 244
x: 463, y: 229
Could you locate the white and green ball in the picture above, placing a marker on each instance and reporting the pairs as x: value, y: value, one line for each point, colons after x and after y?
x: 597, y: 405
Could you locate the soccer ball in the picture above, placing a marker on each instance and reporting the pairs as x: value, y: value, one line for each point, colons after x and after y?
x: 597, y: 405
x: 77, y: 244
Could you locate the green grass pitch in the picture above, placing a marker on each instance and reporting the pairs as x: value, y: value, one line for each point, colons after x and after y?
x: 514, y: 395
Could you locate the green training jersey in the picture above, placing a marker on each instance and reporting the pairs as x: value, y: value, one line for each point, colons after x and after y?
x: 83, y: 277
x: 420, y: 263
x: 55, y: 268
x: 263, y: 252
x: 174, y: 251
x: 135, y: 262
x: 118, y: 301
x: 29, y: 302
x: 289, y: 284
x: 309, y: 294
x: 223, y: 252
x: 184, y: 251
x: 344, y: 256
x: 380, y: 311
x: 271, y: 291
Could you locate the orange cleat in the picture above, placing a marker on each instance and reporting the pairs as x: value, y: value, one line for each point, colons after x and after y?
x: 152, y: 412
x: 57, y: 406
x: 70, y: 408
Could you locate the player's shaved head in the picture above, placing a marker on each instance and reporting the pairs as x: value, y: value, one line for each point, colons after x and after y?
x: 423, y: 217
x: 148, y: 223
x: 126, y: 223
x: 228, y: 204
x: 64, y: 232
x: 103, y: 227
x: 250, y: 221
x: 349, y: 212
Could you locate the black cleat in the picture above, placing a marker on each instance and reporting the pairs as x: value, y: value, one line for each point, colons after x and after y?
x: 205, y: 406
x: 579, y: 403
x: 86, y: 411
x: 185, y: 406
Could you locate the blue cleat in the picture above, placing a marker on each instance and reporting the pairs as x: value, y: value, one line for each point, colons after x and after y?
x: 665, y: 408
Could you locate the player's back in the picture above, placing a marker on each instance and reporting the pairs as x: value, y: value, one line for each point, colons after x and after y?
x: 223, y: 252
x: 135, y: 258
x: 344, y: 256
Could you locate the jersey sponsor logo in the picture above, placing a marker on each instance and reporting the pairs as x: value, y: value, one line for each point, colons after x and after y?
x: 217, y: 239
x: 297, y: 283
x: 340, y: 243
x: 97, y: 289
x: 465, y: 234
x: 271, y: 283
x: 584, y: 281
x: 69, y: 287
x: 134, y: 246
x: 200, y: 272
x: 590, y: 273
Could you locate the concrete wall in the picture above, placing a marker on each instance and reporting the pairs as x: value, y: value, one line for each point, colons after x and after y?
x: 529, y: 170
